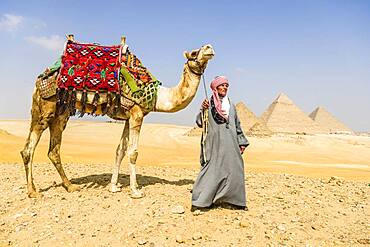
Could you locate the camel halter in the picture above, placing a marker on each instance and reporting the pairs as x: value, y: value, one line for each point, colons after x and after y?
x: 192, y: 70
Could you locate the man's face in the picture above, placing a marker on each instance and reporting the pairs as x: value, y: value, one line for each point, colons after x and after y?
x: 222, y: 89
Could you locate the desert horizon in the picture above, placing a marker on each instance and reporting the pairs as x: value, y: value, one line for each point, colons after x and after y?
x: 321, y: 155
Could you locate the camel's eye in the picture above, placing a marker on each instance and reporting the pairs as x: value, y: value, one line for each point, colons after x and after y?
x: 194, y: 54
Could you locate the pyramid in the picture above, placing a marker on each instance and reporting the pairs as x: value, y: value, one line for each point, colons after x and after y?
x: 328, y: 122
x: 247, y: 117
x: 284, y: 116
x: 195, y: 131
x: 259, y: 129
x: 249, y: 122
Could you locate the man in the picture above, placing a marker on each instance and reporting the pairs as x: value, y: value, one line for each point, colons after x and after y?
x: 221, y: 178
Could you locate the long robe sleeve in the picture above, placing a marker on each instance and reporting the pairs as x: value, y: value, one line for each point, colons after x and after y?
x: 242, y: 140
x: 199, y: 120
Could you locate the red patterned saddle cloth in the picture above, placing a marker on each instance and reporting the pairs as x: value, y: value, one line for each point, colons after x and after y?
x: 97, y: 68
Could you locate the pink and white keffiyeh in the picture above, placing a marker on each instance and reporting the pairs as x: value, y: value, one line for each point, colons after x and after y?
x: 216, y: 99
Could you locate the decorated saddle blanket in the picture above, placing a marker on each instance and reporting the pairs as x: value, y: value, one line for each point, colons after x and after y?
x: 95, y: 74
x: 98, y: 68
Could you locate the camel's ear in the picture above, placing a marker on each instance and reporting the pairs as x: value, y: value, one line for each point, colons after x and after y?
x: 191, y: 55
x: 186, y: 54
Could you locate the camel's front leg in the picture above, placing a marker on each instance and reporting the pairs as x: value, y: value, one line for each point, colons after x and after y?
x: 57, y: 127
x: 120, y: 153
x: 42, y: 113
x: 28, y: 152
x: 135, y: 122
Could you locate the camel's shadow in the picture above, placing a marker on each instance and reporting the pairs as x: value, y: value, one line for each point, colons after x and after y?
x: 103, y: 180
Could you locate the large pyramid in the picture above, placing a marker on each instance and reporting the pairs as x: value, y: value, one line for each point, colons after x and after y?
x: 251, y: 125
x: 328, y: 122
x: 284, y: 116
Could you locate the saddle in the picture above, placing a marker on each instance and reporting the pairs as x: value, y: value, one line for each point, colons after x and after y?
x: 110, y: 76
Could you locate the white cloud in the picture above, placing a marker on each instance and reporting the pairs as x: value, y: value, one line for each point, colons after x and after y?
x: 10, y: 22
x: 53, y: 42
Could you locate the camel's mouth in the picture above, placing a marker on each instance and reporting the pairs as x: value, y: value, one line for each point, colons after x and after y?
x: 209, y: 54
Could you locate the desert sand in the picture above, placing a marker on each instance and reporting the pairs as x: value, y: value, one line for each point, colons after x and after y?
x: 302, y: 190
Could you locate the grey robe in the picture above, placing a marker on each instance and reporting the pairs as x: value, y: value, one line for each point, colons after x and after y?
x: 221, y: 178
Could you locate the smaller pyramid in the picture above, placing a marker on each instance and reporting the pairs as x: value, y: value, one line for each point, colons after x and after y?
x: 249, y: 122
x: 328, y: 122
x: 259, y: 129
x: 247, y: 117
x: 195, y: 131
x: 285, y: 117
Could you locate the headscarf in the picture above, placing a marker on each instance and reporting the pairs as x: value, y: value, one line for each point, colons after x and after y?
x: 216, y: 99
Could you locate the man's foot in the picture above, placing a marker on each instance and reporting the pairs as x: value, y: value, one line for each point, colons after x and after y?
x: 235, y: 207
x: 195, y: 208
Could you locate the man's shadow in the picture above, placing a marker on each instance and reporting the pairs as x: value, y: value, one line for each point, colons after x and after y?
x: 103, y: 180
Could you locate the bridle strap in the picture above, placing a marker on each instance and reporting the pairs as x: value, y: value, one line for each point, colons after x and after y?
x: 192, y: 70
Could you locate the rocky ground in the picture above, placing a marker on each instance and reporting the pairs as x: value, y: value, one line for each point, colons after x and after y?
x: 284, y: 210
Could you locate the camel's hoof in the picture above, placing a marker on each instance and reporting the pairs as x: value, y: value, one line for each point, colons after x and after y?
x: 136, y: 194
x: 72, y: 188
x: 34, y: 194
x: 114, y: 188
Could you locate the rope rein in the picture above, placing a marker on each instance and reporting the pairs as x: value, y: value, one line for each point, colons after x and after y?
x: 204, y: 123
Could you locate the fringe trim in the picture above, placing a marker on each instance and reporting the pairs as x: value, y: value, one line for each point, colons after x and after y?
x: 62, y: 97
x: 110, y: 98
x: 83, y: 103
x: 117, y: 104
x: 95, y: 102
x: 72, y: 102
x: 67, y: 100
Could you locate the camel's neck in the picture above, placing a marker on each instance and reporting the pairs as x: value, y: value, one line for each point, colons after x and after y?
x: 178, y: 97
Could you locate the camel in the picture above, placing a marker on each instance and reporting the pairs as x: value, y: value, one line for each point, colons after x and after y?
x: 44, y: 115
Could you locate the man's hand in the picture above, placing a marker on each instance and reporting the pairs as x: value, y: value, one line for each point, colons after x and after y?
x: 242, y: 148
x: 205, y: 104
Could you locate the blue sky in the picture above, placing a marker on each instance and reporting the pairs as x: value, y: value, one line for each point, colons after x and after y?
x: 316, y: 52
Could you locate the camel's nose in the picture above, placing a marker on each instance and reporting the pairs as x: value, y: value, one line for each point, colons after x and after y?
x: 209, y: 50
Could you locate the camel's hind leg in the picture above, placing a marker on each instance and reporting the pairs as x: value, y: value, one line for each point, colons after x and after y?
x: 120, y: 154
x: 42, y: 113
x: 57, y: 127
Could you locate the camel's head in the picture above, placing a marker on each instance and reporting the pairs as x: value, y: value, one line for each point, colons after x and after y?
x: 198, y: 59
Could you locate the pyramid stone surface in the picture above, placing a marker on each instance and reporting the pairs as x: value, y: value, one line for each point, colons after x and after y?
x: 285, y: 117
x: 328, y: 122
